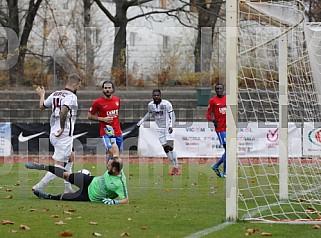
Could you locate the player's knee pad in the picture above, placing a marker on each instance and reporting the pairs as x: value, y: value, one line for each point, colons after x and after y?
x: 167, y: 148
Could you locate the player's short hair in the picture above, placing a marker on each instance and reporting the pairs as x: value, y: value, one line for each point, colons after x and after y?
x: 157, y: 90
x: 109, y: 82
x: 219, y: 84
x: 117, y: 163
x: 73, y: 78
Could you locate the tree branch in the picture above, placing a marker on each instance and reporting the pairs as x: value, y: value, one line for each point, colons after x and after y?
x: 107, y: 13
x: 158, y: 12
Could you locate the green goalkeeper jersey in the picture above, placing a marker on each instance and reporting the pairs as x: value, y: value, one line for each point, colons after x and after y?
x: 107, y: 186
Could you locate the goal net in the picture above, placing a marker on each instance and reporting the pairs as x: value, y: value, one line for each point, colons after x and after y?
x: 273, y: 38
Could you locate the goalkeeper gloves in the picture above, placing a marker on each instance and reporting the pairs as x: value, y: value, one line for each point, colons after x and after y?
x: 109, y: 201
x: 215, y: 123
x: 109, y: 131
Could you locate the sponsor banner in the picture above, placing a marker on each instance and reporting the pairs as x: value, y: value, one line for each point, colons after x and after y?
x: 200, y: 140
x: 33, y: 138
x: 312, y: 139
x: 5, y: 139
x: 262, y: 140
x: 197, y: 140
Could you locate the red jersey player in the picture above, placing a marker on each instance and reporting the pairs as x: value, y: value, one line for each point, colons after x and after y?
x: 217, y: 108
x: 105, y: 110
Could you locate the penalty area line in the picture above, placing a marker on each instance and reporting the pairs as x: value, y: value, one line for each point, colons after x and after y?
x: 210, y: 230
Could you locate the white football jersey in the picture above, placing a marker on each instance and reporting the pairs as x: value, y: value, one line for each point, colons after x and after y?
x: 56, y: 100
x: 163, y: 114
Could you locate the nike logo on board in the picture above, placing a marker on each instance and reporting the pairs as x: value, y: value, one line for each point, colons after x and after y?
x: 79, y: 135
x: 22, y: 138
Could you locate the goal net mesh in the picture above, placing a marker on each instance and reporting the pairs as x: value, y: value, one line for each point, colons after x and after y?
x: 260, y: 27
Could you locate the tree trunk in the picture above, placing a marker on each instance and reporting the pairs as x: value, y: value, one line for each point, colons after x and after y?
x: 119, y: 55
x: 207, y: 18
x: 13, y: 23
x: 16, y: 73
x: 90, y: 56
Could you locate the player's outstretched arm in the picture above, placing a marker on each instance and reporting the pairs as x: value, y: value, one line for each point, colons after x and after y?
x: 143, y: 119
x: 114, y: 201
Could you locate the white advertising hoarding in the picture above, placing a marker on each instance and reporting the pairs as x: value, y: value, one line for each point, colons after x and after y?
x: 199, y: 139
x: 5, y: 139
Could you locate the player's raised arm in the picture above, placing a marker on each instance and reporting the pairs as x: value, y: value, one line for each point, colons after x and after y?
x: 40, y: 90
x: 147, y: 115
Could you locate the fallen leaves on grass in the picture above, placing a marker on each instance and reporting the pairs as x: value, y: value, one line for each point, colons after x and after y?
x: 125, y: 234
x: 32, y: 210
x: 144, y: 228
x: 316, y: 226
x: 54, y: 216
x: 251, y: 231
x: 24, y: 227
x: 7, y: 222
x: 93, y: 223
x: 59, y: 223
x: 310, y: 209
x: 8, y: 190
x: 65, y: 233
x: 129, y: 219
x: 96, y: 234
x: 45, y: 209
x: 266, y: 234
x: 167, y: 190
x: 9, y: 197
x: 13, y: 231
x: 67, y: 212
x: 17, y: 183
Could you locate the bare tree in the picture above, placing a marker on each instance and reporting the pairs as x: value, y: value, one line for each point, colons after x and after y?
x: 208, y: 13
x: 10, y: 18
x: 120, y: 21
x: 313, y: 10
x: 90, y: 55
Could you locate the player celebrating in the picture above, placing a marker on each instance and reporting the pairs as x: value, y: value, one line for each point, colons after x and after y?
x: 103, y: 188
x: 64, y: 111
x: 217, y: 107
x: 105, y: 110
x: 163, y: 113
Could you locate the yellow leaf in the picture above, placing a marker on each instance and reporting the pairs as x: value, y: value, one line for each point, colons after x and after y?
x: 60, y: 223
x: 7, y: 222
x: 125, y: 234
x: 24, y: 227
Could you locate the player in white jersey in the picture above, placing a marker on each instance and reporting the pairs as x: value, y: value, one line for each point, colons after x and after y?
x: 162, y: 111
x: 64, y: 107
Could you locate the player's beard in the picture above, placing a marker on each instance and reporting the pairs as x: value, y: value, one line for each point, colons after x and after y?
x: 110, y: 172
x: 108, y: 95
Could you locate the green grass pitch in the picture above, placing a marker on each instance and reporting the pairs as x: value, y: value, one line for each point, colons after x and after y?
x: 160, y: 206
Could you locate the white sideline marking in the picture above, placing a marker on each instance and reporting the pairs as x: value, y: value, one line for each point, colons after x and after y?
x: 210, y: 230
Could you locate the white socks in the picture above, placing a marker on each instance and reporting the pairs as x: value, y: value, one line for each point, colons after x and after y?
x: 50, y: 176
x: 171, y: 155
x: 44, y: 181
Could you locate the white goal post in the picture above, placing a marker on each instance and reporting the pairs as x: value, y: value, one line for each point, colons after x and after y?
x: 273, y: 79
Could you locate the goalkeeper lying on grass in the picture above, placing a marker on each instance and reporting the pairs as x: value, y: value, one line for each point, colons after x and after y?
x: 105, y: 188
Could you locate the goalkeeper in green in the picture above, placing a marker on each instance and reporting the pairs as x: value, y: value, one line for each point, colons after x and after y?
x: 105, y: 188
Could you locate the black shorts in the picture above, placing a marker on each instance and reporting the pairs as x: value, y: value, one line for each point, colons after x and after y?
x: 82, y: 181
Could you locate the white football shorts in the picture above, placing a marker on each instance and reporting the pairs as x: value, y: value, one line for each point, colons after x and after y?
x: 62, y: 146
x: 164, y: 136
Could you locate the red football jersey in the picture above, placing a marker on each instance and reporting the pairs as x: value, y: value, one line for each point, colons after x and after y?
x: 103, y: 107
x: 217, y: 107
